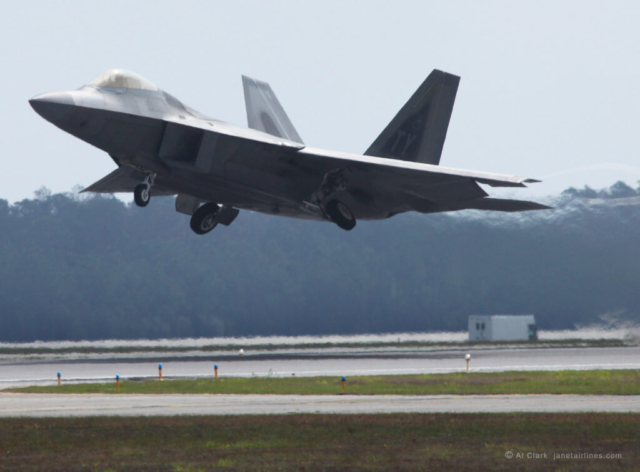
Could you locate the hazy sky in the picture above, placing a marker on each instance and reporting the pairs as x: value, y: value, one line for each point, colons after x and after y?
x: 549, y: 89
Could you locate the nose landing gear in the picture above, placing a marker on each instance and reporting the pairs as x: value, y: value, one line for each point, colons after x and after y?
x: 142, y: 192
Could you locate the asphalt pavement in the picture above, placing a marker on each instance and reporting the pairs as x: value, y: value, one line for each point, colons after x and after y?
x: 332, y: 363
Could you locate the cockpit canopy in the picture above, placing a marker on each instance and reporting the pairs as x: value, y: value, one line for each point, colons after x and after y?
x: 120, y: 78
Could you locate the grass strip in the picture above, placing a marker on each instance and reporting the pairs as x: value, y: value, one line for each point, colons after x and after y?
x: 462, y: 442
x: 592, y: 382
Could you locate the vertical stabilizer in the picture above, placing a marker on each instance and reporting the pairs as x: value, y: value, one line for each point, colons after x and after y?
x: 264, y: 112
x: 418, y: 131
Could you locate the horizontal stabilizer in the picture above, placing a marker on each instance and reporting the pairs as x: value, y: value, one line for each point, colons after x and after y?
x: 449, y: 192
x: 264, y: 112
x: 123, y: 180
x: 497, y: 204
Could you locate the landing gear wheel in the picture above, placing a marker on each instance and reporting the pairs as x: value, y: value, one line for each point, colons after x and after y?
x: 205, y: 218
x: 142, y: 195
x: 340, y: 215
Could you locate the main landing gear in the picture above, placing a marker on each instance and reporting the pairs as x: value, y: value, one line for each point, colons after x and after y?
x: 205, y: 218
x: 322, y: 203
x: 142, y: 192
x: 210, y: 215
x: 340, y: 214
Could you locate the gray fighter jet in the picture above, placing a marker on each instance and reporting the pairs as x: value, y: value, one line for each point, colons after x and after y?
x: 163, y: 147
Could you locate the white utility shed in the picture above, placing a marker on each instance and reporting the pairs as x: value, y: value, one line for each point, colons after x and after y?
x: 502, y: 328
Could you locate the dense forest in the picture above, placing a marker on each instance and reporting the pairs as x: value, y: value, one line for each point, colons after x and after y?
x: 77, y: 267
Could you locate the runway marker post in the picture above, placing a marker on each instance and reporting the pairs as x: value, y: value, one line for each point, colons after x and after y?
x: 118, y: 382
x: 467, y: 358
x: 160, y: 371
x: 344, y: 383
x: 59, y: 378
x: 215, y: 368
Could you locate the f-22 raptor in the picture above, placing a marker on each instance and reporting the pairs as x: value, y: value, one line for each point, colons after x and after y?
x: 163, y: 147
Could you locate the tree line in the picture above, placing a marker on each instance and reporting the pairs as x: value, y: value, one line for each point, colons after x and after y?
x: 77, y: 267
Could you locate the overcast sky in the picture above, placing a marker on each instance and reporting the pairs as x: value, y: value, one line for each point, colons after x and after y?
x: 549, y: 89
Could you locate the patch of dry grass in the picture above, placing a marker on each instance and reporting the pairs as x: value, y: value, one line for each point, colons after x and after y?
x: 465, y: 442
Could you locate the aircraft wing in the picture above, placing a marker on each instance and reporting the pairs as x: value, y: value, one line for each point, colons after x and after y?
x: 424, y: 187
x: 406, y: 168
x: 322, y: 161
x: 405, y: 172
x: 123, y: 180
x: 300, y: 171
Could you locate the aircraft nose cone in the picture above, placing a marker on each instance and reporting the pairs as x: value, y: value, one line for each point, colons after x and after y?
x: 54, y: 106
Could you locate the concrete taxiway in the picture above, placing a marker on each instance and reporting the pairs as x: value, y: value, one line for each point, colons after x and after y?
x: 57, y: 405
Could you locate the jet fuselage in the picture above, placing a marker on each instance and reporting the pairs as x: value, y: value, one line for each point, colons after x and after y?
x: 163, y: 147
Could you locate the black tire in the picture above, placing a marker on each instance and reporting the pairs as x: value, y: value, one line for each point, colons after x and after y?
x: 205, y: 218
x: 341, y: 215
x: 142, y: 195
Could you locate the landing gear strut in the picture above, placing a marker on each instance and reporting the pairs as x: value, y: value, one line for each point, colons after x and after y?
x: 142, y: 192
x: 205, y: 218
x: 334, y: 210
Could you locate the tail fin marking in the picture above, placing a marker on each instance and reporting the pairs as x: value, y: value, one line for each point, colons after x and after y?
x: 418, y: 131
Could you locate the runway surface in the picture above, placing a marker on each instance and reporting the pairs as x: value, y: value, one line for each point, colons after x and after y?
x: 334, y: 363
x: 46, y: 405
